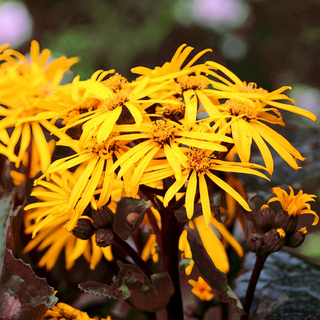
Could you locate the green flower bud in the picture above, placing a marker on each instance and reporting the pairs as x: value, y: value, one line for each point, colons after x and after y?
x: 288, y: 222
x: 104, y: 237
x: 84, y: 229
x: 102, y: 218
x: 254, y: 242
x: 297, y: 238
x: 274, y: 240
x: 265, y: 218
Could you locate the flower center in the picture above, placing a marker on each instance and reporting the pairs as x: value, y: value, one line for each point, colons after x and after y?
x: 116, y: 83
x: 162, y: 132
x: 104, y: 149
x: 198, y: 160
x: 239, y: 108
x: 192, y: 82
x: 251, y: 87
x: 173, y: 112
x: 115, y: 100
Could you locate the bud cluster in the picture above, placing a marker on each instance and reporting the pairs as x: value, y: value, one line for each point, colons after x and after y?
x: 100, y: 224
x: 272, y: 231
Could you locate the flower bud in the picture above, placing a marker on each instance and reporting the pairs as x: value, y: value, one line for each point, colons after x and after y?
x: 274, y: 240
x: 265, y: 218
x: 102, y: 218
x: 254, y: 242
x: 297, y: 238
x: 104, y: 237
x: 131, y: 218
x: 84, y: 229
x: 288, y: 222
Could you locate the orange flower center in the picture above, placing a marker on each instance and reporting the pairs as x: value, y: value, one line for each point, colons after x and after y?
x: 198, y: 160
x: 162, y: 132
x: 252, y: 87
x: 192, y: 82
x: 116, y: 83
x: 239, y: 108
x: 115, y: 100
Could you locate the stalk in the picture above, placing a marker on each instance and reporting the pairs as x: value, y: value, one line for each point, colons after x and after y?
x: 170, y: 253
x: 260, y: 260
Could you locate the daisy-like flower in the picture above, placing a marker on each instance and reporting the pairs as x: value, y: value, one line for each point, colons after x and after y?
x: 54, y: 237
x: 240, y: 89
x: 295, y: 205
x: 162, y: 140
x: 201, y: 289
x: 62, y: 311
x: 114, y: 98
x: 200, y: 164
x: 24, y: 84
x: 49, y: 222
x: 55, y: 196
x: 189, y: 83
x: 249, y: 108
x: 172, y: 68
x: 17, y: 176
x: 97, y: 177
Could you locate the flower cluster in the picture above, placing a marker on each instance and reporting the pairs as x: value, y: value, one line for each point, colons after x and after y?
x: 271, y: 231
x: 173, y: 132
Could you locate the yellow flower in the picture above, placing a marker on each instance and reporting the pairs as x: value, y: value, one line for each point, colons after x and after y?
x: 162, y: 139
x: 240, y: 89
x: 50, y: 221
x: 295, y: 205
x: 189, y: 84
x: 23, y: 84
x: 18, y: 177
x: 173, y: 67
x: 112, y: 104
x: 62, y: 311
x: 200, y: 163
x: 247, y: 108
x: 54, y: 237
x: 97, y: 177
x: 201, y: 289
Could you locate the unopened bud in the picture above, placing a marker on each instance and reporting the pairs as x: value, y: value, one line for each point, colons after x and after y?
x: 131, y: 218
x: 84, y: 229
x: 274, y: 239
x: 102, y: 218
x: 104, y: 237
x: 297, y: 238
x: 254, y: 242
x: 265, y: 218
x: 287, y: 222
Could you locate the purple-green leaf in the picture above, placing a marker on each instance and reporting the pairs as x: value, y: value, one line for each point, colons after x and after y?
x: 135, y: 288
x: 213, y: 276
x: 125, y: 206
x: 23, y: 294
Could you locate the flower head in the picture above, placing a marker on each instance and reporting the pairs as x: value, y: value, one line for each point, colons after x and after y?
x: 295, y: 205
x: 201, y: 289
x: 62, y: 311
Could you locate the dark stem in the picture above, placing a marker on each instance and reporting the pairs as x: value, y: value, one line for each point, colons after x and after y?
x: 123, y: 245
x: 260, y: 260
x: 170, y: 253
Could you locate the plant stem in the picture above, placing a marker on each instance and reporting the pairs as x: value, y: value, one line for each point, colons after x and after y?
x: 170, y: 254
x: 260, y: 260
x: 123, y: 245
